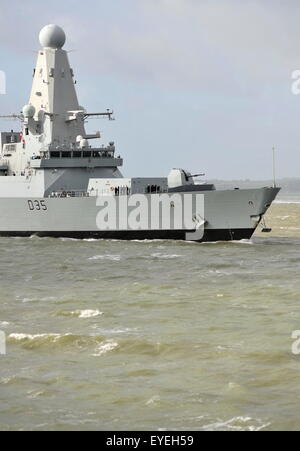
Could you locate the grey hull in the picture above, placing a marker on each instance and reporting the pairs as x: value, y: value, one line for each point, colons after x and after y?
x: 229, y: 215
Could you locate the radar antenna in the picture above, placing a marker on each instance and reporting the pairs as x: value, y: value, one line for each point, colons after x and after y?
x: 12, y: 116
x: 108, y: 114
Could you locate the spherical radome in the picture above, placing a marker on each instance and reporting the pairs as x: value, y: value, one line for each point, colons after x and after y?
x: 52, y: 36
x: 28, y: 111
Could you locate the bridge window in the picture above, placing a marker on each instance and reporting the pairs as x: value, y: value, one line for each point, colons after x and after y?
x: 66, y: 154
x: 54, y: 154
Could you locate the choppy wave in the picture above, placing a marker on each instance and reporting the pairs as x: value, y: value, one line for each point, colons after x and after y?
x: 65, y: 240
x: 116, y: 331
x: 223, y: 243
x: 22, y: 337
x: 10, y: 380
x: 36, y: 299
x: 90, y: 240
x: 114, y: 258
x: 165, y: 322
x: 153, y: 401
x: 147, y: 241
x: 85, y: 314
x: 53, y: 340
x: 237, y: 424
x: 97, y: 344
x: 165, y: 256
x: 105, y: 347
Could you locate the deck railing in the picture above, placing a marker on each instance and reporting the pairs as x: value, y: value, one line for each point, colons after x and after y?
x: 70, y: 193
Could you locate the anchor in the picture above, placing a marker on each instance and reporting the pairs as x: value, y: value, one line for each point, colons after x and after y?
x: 264, y: 228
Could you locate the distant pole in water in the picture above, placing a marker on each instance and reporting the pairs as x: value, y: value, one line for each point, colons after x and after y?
x: 274, y: 167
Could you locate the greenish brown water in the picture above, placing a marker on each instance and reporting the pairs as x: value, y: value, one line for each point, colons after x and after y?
x: 152, y: 335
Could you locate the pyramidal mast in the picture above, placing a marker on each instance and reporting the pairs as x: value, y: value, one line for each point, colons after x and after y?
x: 53, y: 111
x: 53, y: 115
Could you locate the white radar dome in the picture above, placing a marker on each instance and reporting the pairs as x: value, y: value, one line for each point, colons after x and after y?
x: 52, y: 36
x: 28, y: 111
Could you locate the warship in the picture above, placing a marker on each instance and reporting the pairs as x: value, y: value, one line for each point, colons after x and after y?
x: 55, y: 182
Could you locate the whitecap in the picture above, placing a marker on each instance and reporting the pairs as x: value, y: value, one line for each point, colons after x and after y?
x: 284, y: 218
x: 35, y: 394
x: 6, y: 380
x: 87, y: 313
x: 237, y: 424
x: 244, y: 241
x: 153, y: 401
x: 69, y: 239
x: 165, y: 256
x: 115, y: 258
x: 125, y: 330
x: 31, y: 337
x: 147, y: 241
x: 105, y: 347
x: 26, y: 300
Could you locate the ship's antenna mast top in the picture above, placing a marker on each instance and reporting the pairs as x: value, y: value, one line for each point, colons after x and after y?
x: 274, y: 167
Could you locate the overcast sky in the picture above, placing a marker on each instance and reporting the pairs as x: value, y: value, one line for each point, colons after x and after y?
x: 199, y: 84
